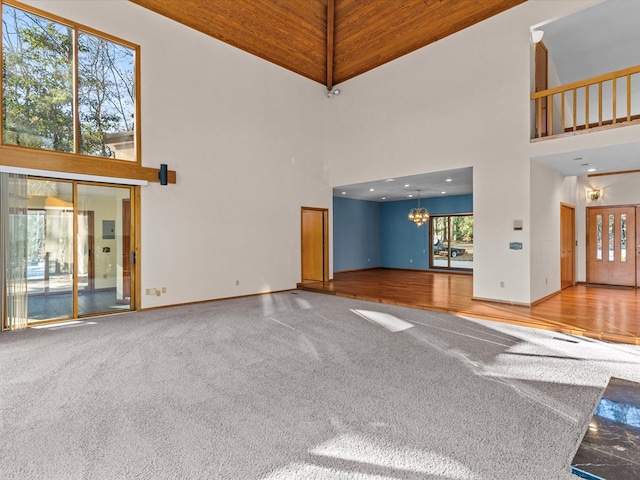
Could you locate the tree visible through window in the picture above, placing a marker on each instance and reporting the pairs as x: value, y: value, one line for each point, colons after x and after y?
x: 40, y: 108
x: 452, y: 241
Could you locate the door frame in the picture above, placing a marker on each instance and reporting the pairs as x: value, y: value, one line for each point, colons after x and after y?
x: 91, y: 266
x: 324, y: 241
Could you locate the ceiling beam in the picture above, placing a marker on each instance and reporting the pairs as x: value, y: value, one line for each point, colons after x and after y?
x: 331, y: 11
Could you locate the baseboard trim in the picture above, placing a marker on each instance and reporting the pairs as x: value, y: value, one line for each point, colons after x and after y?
x: 356, y: 270
x: 504, y: 302
x: 197, y: 302
x: 547, y: 297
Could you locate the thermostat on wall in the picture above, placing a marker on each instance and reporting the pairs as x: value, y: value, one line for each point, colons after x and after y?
x: 515, y: 245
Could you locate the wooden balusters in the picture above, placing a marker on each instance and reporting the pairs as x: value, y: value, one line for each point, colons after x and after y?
x: 580, y: 104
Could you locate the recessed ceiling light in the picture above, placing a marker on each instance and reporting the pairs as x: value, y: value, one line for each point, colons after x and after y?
x: 579, y: 158
x: 585, y: 164
x: 448, y: 180
x: 389, y: 179
x: 371, y: 189
x: 384, y: 198
x: 344, y: 193
x: 591, y: 169
x: 443, y: 193
x: 407, y: 185
x: 411, y: 195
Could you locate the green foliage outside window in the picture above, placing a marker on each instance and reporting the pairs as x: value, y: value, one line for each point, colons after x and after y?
x: 39, y: 108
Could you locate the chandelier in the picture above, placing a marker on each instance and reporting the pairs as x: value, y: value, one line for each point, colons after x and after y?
x: 419, y: 215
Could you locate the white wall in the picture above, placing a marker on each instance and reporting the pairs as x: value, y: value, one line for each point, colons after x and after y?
x: 252, y: 142
x: 551, y: 190
x: 464, y: 101
x: 245, y: 138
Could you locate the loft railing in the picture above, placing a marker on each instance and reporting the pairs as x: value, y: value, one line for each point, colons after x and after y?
x: 609, y: 99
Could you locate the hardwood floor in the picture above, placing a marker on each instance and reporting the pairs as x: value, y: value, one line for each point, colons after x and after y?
x: 607, y: 314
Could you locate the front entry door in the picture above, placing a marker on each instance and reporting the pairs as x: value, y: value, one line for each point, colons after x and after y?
x: 611, y: 239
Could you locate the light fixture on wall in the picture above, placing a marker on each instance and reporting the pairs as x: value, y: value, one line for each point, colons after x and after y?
x: 333, y: 93
x: 419, y: 215
x: 536, y: 36
x: 594, y: 194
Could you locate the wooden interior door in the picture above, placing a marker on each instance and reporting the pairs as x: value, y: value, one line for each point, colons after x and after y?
x: 637, y: 245
x: 314, y: 245
x: 567, y: 246
x: 541, y: 81
x: 611, y: 246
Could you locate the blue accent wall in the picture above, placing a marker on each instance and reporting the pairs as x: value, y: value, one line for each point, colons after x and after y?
x: 402, y: 244
x: 382, y: 234
x: 356, y: 234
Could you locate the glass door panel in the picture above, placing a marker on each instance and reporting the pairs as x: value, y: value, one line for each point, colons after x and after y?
x: 440, y: 241
x: 103, y: 246
x: 461, y: 244
x: 50, y: 250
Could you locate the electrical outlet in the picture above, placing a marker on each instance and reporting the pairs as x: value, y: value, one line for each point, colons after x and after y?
x: 501, y: 284
x: 158, y: 293
x: 237, y: 282
x: 151, y: 291
x: 164, y: 289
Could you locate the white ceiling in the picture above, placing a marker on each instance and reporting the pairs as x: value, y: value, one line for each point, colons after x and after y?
x: 437, y: 184
x: 599, y: 39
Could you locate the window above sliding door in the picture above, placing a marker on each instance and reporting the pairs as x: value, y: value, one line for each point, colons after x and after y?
x: 67, y: 88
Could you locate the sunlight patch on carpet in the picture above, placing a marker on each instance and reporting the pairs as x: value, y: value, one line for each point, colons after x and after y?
x: 356, y: 448
x: 303, y: 304
x: 385, y: 320
x: 59, y: 325
x: 297, y: 471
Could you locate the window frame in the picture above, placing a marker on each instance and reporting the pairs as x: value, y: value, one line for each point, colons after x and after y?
x: 74, y: 162
x: 448, y: 216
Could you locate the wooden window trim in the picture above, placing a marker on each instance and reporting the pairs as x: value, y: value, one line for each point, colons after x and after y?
x: 76, y: 163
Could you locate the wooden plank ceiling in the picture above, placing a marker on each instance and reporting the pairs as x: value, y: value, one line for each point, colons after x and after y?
x: 328, y: 41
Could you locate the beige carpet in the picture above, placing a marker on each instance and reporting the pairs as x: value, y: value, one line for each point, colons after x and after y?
x: 298, y: 385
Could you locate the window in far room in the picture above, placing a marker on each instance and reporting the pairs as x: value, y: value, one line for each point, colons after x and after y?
x: 66, y: 88
x: 452, y: 241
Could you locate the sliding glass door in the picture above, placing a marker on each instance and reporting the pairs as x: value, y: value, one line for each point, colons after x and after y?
x: 103, y: 243
x: 78, y: 251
